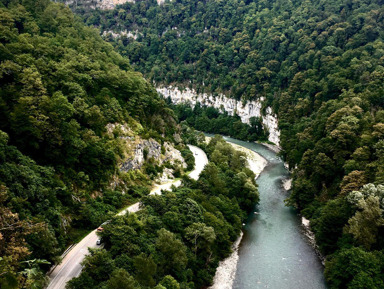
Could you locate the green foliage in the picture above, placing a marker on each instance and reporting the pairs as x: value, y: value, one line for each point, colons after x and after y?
x: 354, y: 269
x: 169, y: 282
x: 173, y: 253
x: 17, y: 269
x: 145, y: 269
x: 178, y: 238
x: 319, y: 64
x: 60, y: 86
x: 200, y: 236
x: 211, y: 120
x: 328, y: 226
x: 365, y: 224
x: 189, y: 158
x: 99, y: 264
x: 121, y: 279
x: 368, y: 220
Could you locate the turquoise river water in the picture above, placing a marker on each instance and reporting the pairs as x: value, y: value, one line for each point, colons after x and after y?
x: 274, y: 253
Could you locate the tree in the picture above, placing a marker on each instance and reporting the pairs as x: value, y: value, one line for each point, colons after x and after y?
x: 13, y: 249
x: 35, y: 278
x: 99, y: 264
x: 200, y: 235
x: 145, y: 269
x: 329, y: 225
x: 365, y: 224
x: 367, y: 221
x: 352, y: 182
x: 169, y: 282
x: 354, y: 269
x: 173, y: 253
x: 120, y: 278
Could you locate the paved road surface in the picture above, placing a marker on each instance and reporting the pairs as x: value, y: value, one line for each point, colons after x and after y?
x: 70, y: 266
x: 200, y: 161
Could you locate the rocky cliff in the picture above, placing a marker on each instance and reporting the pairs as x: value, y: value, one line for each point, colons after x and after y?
x: 137, y: 152
x: 147, y: 149
x: 244, y: 110
x: 102, y: 4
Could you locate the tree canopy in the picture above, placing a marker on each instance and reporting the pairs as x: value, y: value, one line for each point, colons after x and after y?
x: 178, y: 238
x: 61, y: 86
x: 318, y: 64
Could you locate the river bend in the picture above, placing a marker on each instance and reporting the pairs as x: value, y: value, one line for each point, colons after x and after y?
x: 274, y: 253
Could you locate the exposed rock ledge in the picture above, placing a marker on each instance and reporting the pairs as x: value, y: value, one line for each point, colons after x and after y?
x: 244, y: 110
x: 287, y: 184
x: 153, y: 150
x: 306, y: 224
x: 125, y: 33
x: 102, y: 4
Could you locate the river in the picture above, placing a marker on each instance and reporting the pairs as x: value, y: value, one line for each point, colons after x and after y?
x: 274, y: 253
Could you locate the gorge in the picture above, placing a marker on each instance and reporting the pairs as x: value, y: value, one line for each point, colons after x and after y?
x: 274, y: 251
x: 245, y: 110
x: 84, y: 132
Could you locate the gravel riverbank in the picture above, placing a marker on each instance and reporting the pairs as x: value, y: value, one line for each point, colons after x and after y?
x: 225, y: 273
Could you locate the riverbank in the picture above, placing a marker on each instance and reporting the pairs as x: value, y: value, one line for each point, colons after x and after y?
x: 287, y: 184
x: 308, y: 233
x: 71, y: 263
x: 226, y: 271
x: 272, y: 147
x: 256, y: 162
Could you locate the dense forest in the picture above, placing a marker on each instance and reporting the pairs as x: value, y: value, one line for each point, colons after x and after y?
x: 60, y: 87
x: 178, y: 238
x: 212, y: 120
x: 320, y: 65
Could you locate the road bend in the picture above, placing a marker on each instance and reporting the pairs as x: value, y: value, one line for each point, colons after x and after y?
x: 70, y: 267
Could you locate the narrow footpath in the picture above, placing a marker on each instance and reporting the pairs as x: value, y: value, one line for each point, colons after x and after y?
x: 70, y: 267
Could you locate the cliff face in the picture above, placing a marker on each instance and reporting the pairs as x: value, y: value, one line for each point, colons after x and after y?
x: 244, y: 110
x: 136, y: 152
x: 153, y: 150
x: 102, y: 4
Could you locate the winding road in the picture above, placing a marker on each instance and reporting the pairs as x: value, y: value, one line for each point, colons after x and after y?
x: 70, y: 267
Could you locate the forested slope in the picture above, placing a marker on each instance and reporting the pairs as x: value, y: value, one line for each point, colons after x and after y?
x: 178, y: 238
x: 320, y: 65
x: 61, y: 86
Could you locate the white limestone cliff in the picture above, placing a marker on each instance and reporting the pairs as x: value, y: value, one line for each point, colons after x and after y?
x: 153, y: 150
x: 244, y: 110
x: 102, y: 4
x: 111, y: 4
x: 125, y: 33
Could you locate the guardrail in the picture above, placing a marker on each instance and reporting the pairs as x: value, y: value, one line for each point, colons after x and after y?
x: 61, y: 257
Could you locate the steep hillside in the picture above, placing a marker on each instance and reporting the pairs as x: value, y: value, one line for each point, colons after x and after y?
x: 319, y: 65
x: 81, y: 135
x: 177, y: 239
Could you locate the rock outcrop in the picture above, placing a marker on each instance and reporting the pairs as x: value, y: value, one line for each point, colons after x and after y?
x: 244, y: 110
x: 147, y: 149
x: 125, y: 33
x: 306, y: 225
x: 102, y: 4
